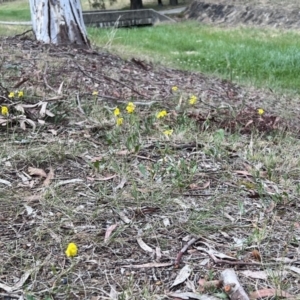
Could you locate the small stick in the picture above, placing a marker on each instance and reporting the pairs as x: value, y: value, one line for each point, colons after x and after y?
x: 79, y: 104
x: 182, y: 251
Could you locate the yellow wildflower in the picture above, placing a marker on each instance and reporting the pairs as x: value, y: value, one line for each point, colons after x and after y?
x: 117, y: 111
x: 260, y: 111
x: 71, y: 250
x: 119, y: 121
x: 95, y: 93
x: 174, y: 88
x: 168, y: 132
x: 192, y: 100
x: 130, y: 107
x: 20, y: 94
x: 11, y: 95
x: 161, y: 114
x: 4, y: 110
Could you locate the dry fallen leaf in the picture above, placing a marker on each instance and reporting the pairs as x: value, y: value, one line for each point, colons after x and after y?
x: 3, y: 181
x: 49, y: 178
x: 256, y: 275
x: 294, y: 269
x: 183, y: 275
x: 33, y: 198
x: 194, y: 186
x: 255, y: 254
x: 143, y: 245
x: 37, y: 172
x: 109, y: 231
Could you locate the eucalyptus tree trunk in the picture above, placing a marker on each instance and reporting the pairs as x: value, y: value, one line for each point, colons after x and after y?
x: 58, y: 22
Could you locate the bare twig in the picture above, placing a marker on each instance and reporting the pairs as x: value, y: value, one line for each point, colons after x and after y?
x: 79, y: 104
x: 182, y: 251
x: 45, y: 78
x: 23, y: 80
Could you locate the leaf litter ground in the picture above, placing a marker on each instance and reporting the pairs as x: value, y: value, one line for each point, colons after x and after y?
x: 130, y: 196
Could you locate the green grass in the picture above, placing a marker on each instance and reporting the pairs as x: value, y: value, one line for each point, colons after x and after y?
x: 15, y: 11
x: 260, y: 57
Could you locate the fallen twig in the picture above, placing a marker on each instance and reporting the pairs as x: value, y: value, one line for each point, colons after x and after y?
x: 185, y: 247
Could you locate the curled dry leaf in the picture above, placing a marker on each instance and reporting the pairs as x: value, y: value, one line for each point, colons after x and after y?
x: 23, y: 121
x: 183, y: 275
x: 59, y: 91
x: 143, y: 245
x: 37, y: 172
x: 158, y: 253
x: 109, y: 231
x: 49, y: 178
x: 194, y: 186
x: 3, y: 181
x: 256, y: 255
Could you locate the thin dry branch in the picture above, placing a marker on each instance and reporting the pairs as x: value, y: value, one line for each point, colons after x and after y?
x: 182, y: 251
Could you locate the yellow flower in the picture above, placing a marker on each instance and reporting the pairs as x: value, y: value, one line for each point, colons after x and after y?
x: 260, y: 111
x: 119, y: 121
x: 20, y: 94
x: 116, y: 111
x: 95, y: 93
x: 161, y: 114
x: 130, y: 107
x: 174, y: 88
x: 71, y: 250
x: 11, y: 95
x: 4, y: 110
x: 192, y: 100
x: 168, y: 132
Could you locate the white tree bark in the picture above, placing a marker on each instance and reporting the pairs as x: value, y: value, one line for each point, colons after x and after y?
x: 58, y: 22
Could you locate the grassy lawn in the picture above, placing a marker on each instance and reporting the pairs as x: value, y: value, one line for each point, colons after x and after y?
x: 260, y: 57
x: 15, y: 11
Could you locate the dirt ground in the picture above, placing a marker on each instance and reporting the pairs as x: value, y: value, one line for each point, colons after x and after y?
x: 69, y: 180
x: 276, y: 14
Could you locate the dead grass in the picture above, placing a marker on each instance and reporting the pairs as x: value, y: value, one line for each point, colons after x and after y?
x: 225, y: 175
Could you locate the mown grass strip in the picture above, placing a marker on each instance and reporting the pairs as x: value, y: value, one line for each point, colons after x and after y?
x: 15, y: 11
x: 257, y: 56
